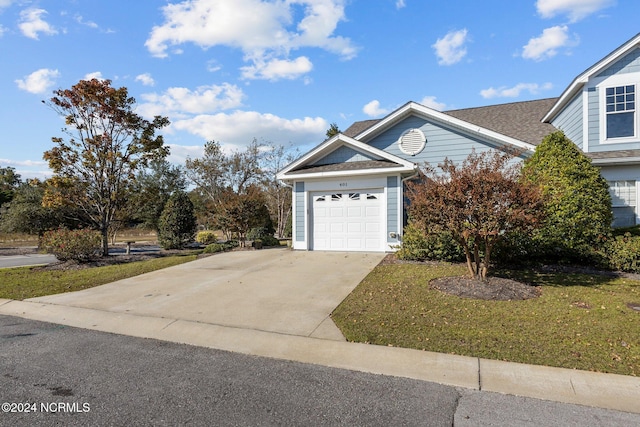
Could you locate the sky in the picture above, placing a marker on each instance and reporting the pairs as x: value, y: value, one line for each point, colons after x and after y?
x: 281, y: 71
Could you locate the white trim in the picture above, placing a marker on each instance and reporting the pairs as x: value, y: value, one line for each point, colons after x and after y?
x: 358, y: 172
x: 626, y: 79
x: 413, y: 107
x: 585, y: 120
x: 616, y: 161
x: 331, y: 145
x: 577, y: 84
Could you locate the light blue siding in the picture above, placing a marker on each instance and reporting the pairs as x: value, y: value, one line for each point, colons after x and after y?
x: 442, y: 142
x: 392, y: 207
x: 300, y: 211
x: 630, y: 63
x: 570, y: 121
x: 343, y: 154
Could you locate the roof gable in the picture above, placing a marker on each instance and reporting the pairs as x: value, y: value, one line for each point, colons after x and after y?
x: 578, y: 83
x: 372, y: 159
x: 458, y: 119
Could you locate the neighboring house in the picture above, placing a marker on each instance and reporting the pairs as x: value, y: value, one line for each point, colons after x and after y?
x: 348, y: 191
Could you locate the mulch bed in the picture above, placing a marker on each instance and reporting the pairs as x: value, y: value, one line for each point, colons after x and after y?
x: 492, y: 288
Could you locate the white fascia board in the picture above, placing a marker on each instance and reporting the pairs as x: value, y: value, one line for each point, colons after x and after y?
x: 328, y: 146
x: 339, y: 174
x: 441, y: 117
x: 577, y: 84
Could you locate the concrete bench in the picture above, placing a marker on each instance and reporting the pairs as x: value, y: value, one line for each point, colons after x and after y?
x: 128, y: 251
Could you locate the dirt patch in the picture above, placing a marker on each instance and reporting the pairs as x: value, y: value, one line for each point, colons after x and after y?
x: 492, y: 288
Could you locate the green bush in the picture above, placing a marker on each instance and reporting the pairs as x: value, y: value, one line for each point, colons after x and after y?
x: 577, y: 203
x: 270, y: 241
x: 177, y: 224
x: 206, y: 237
x: 623, y: 253
x: 418, y: 246
x: 215, y: 248
x: 78, y: 245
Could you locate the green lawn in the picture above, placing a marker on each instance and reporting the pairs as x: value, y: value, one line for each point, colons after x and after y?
x: 29, y: 282
x: 580, y: 321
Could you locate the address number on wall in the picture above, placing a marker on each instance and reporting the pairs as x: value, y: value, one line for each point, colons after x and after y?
x: 344, y: 184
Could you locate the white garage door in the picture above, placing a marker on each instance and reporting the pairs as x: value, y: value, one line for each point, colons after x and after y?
x: 347, y: 221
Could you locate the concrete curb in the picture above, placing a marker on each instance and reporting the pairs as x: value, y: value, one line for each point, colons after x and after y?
x: 617, y: 392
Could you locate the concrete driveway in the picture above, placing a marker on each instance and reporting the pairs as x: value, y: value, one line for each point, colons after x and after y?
x: 272, y: 290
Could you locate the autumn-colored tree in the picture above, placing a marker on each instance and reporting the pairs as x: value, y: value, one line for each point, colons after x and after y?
x: 107, y: 144
x: 478, y: 202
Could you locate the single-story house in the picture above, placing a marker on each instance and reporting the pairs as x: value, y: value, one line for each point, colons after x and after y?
x: 348, y: 191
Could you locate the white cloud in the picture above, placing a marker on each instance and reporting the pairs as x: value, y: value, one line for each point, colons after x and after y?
x: 31, y: 23
x: 276, y: 69
x: 265, y: 35
x: 95, y: 75
x: 430, y: 101
x: 547, y: 44
x: 239, y: 128
x: 80, y: 20
x: 574, y: 9
x: 22, y: 163
x: 372, y: 109
x: 450, y: 49
x: 39, y: 81
x: 178, y: 153
x: 400, y: 4
x: 514, y: 92
x: 180, y: 101
x: 145, y: 79
x: 5, y: 3
x: 2, y: 30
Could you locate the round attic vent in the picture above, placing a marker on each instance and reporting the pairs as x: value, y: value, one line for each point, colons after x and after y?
x: 412, y: 141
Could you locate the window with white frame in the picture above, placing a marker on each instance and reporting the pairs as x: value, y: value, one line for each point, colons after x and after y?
x: 624, y: 202
x: 620, y: 110
x: 623, y: 193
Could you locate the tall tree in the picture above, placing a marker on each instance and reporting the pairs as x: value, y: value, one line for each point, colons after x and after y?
x: 577, y: 200
x: 107, y: 144
x: 9, y: 181
x: 278, y: 195
x: 479, y: 202
x: 228, y: 182
x: 177, y: 223
x: 333, y: 130
x: 151, y: 190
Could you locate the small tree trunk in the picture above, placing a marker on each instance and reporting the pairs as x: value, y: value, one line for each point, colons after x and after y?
x: 105, y: 241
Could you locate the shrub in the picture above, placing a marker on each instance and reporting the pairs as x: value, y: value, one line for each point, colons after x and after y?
x: 418, y: 246
x: 177, y: 224
x: 78, y: 245
x: 270, y: 241
x: 206, y: 237
x: 215, y: 247
x: 577, y: 204
x: 623, y: 253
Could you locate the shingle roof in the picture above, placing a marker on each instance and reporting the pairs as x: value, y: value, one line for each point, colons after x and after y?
x: 519, y: 120
x: 358, y: 127
x: 346, y: 166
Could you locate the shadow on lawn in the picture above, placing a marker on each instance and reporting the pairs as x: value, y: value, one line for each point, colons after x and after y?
x: 562, y: 276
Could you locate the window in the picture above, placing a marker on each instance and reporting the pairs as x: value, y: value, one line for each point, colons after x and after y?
x: 623, y: 201
x: 354, y: 196
x: 620, y: 107
x: 623, y: 193
x: 336, y: 197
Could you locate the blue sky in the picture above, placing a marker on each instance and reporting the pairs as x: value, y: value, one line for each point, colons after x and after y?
x: 282, y: 71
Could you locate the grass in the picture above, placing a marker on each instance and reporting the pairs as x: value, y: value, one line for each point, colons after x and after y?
x: 580, y: 321
x: 30, y: 282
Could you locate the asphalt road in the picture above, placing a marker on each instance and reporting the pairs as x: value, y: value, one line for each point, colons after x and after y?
x: 25, y: 260
x: 69, y: 376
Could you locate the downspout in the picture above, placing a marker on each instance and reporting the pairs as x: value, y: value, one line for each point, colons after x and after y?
x: 403, y: 180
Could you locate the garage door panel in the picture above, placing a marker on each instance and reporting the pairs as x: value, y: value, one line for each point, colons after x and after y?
x: 347, y: 221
